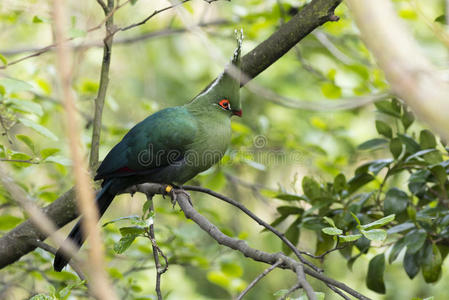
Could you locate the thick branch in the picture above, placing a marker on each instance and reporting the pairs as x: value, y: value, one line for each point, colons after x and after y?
x: 289, y: 34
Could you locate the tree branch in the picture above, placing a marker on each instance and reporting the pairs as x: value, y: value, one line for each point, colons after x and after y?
x: 104, y: 81
x: 258, y: 278
x: 255, y: 218
x: 313, y: 15
x: 14, y: 244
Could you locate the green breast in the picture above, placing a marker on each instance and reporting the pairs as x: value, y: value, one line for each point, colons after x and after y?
x: 213, y: 138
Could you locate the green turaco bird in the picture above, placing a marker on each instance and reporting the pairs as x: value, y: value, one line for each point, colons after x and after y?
x: 170, y: 146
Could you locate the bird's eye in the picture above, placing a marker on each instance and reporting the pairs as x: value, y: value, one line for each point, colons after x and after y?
x: 225, y: 104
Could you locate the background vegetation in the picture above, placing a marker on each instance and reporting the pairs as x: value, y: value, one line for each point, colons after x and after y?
x: 291, y: 165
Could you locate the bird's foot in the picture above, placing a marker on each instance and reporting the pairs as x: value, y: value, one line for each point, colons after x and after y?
x: 175, y: 192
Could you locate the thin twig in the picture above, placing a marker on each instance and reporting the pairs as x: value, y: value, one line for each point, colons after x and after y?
x: 156, y: 251
x: 103, y: 6
x: 324, y: 40
x: 291, y: 290
x: 45, y: 49
x: 104, y: 81
x: 125, y: 40
x: 258, y: 278
x: 255, y: 218
x: 338, y: 292
x: 158, y: 11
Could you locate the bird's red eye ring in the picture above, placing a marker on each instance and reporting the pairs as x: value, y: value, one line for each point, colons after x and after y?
x: 224, y: 104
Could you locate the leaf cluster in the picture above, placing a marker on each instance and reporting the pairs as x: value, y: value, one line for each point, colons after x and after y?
x: 398, y: 203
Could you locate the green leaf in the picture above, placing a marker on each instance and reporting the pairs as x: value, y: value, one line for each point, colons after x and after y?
x: 339, y: 183
x: 388, y: 108
x: 26, y: 106
x: 330, y: 90
x: 396, y: 147
x: 37, y: 20
x: 292, y: 234
x: 441, y: 19
x: 395, y: 202
x: 384, y: 129
x: 231, y: 269
x: 375, y: 234
x: 131, y: 218
x: 415, y: 239
x: 133, y: 2
x: 440, y: 173
x: 48, y: 152
x: 358, y: 181
x: 375, y: 277
x: 278, y: 221
x: 124, y: 243
x: 8, y: 222
x: 131, y: 230
x: 431, y: 265
x: 376, y: 166
x: 38, y: 128
x: 378, y: 223
x: 401, y: 227
x: 311, y: 188
x: 329, y: 221
x: 219, y: 279
x: 324, y: 243
x: 411, y: 264
x: 27, y: 141
x: 332, y: 231
x: 14, y: 85
x: 349, y: 238
x: 4, y: 60
x: 427, y: 139
x: 289, y: 197
x: 363, y: 244
x: 407, y: 119
x: 411, y: 145
x: 356, y: 218
x: 372, y: 144
x: 290, y: 210
x: 63, y: 161
x: 396, y: 249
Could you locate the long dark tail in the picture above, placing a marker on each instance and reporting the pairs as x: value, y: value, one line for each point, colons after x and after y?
x: 103, y: 200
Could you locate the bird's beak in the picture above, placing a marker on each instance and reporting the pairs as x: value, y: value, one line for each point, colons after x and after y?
x: 237, y: 113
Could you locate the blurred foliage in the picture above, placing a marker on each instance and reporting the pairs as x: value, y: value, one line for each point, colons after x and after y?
x: 370, y: 182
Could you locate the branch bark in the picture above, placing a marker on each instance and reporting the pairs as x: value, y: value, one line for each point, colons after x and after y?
x: 313, y: 15
x: 14, y: 245
x: 104, y: 81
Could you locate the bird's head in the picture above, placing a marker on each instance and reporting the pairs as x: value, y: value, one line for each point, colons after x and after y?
x: 223, y: 93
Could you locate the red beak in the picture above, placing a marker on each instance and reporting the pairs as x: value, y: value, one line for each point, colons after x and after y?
x: 237, y: 112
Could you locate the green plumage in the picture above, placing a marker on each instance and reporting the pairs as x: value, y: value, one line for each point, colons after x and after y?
x: 171, y: 146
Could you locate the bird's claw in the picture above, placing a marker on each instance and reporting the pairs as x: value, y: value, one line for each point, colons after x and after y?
x: 174, y: 192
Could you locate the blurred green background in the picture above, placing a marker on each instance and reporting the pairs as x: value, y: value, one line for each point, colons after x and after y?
x: 330, y: 64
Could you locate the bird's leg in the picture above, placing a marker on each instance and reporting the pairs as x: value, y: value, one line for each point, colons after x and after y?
x: 174, y: 191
